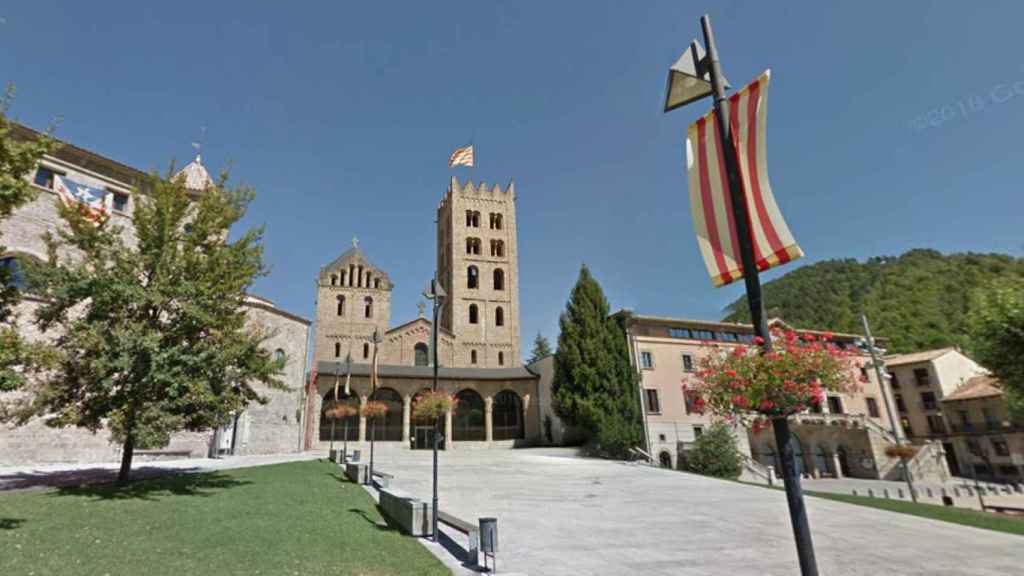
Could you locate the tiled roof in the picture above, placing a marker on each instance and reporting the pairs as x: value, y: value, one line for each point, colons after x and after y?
x: 977, y: 387
x: 916, y: 357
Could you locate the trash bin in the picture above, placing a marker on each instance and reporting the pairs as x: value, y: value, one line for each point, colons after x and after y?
x: 355, y: 455
x: 489, y: 536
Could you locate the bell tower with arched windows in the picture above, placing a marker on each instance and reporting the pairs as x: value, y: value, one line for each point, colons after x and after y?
x: 478, y: 265
x: 353, y: 299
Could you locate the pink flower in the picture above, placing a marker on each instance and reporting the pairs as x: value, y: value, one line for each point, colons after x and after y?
x: 730, y: 373
x: 765, y: 405
x: 758, y: 340
x: 740, y: 401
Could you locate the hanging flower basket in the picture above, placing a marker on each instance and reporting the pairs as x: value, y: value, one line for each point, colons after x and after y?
x: 741, y: 383
x: 433, y: 404
x: 374, y: 409
x: 340, y: 410
x: 902, y: 451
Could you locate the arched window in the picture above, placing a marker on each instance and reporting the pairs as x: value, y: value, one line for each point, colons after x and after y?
x: 474, y: 314
x: 14, y: 275
x: 499, y: 279
x: 468, y: 419
x: 473, y: 246
x: 498, y: 248
x: 501, y: 358
x: 279, y: 355
x: 496, y: 221
x: 366, y: 350
x: 469, y: 218
x: 341, y: 426
x: 389, y: 426
x: 368, y: 307
x: 472, y: 356
x: 376, y: 282
x: 499, y: 316
x: 342, y: 279
x: 359, y: 279
x: 422, y: 355
x: 334, y: 279
x: 476, y: 219
x: 472, y: 277
x: 368, y: 276
x: 341, y: 305
x: 337, y: 349
x: 507, y: 416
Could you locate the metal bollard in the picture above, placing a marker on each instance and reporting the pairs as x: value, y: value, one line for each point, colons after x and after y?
x: 489, y: 541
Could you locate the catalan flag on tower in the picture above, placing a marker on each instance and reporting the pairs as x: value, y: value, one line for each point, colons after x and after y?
x: 461, y: 157
x: 710, y: 201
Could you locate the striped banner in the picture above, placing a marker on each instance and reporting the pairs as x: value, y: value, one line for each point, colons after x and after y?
x: 461, y: 157
x: 710, y: 201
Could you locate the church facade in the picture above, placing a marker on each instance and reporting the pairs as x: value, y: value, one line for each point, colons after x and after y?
x: 478, y: 338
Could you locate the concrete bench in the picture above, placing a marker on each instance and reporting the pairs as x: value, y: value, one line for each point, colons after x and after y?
x: 163, y: 454
x: 357, y: 472
x: 470, y: 530
x: 381, y: 479
x: 1004, y: 508
x: 408, y: 513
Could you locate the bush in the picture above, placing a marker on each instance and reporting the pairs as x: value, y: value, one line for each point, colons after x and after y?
x: 715, y: 453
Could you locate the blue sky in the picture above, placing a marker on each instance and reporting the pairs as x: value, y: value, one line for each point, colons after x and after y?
x: 892, y: 126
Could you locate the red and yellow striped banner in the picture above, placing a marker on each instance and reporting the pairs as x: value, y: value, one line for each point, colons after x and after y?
x: 710, y: 201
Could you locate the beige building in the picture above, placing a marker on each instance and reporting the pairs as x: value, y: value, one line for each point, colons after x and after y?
x: 987, y: 442
x: 846, y: 436
x: 478, y: 339
x: 273, y: 427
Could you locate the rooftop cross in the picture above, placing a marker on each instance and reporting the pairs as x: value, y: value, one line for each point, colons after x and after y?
x: 355, y: 242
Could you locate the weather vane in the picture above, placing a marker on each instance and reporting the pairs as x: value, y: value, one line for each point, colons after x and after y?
x: 198, y: 145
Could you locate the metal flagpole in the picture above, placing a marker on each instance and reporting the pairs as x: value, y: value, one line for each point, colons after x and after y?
x: 783, y: 438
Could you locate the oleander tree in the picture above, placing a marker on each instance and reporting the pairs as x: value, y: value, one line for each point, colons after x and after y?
x: 18, y: 160
x: 152, y: 332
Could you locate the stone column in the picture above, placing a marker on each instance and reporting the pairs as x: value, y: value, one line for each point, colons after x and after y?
x: 835, y: 464
x: 406, y: 415
x: 489, y: 418
x: 526, y: 410
x: 449, y: 441
x: 362, y: 419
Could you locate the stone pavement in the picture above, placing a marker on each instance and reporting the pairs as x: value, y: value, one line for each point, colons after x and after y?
x: 562, y: 514
x: 56, y: 475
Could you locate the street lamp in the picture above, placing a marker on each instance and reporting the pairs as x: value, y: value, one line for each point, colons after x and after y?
x: 694, y: 76
x: 373, y: 388
x: 436, y: 294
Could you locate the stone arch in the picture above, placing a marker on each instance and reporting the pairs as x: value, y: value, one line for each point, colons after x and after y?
x: 468, y: 419
x: 421, y: 354
x: 507, y: 416
x: 664, y: 459
x: 843, y: 460
x: 352, y: 422
x: 388, y: 427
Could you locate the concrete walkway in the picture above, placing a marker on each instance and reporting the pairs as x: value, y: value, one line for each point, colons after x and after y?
x: 561, y: 514
x: 49, y: 476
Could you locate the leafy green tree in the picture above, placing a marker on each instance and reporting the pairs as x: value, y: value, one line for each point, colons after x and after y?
x: 152, y: 328
x: 541, y: 349
x: 594, y: 385
x: 997, y: 336
x: 18, y: 160
x: 918, y: 300
x: 715, y: 453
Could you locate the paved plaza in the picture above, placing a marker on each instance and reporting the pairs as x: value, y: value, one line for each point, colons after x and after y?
x: 562, y: 514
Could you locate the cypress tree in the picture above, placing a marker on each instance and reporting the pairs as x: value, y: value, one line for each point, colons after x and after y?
x: 541, y: 348
x: 594, y: 385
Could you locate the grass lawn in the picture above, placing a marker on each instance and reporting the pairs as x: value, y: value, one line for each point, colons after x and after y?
x: 987, y: 520
x: 288, y: 519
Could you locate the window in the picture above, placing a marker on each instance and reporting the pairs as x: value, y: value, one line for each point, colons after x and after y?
x: 687, y: 363
x: 420, y: 353
x: 279, y: 355
x: 473, y: 246
x: 893, y: 380
x: 472, y: 277
x: 900, y: 405
x: 680, y: 333
x: 341, y: 305
x: 473, y: 314
x: 495, y: 221
x: 342, y: 279
x: 376, y: 282
x: 835, y: 405
x: 704, y: 334
x: 120, y: 202
x: 1000, y: 447
x: 698, y: 431
x: 337, y: 349
x: 921, y: 376
x: 864, y: 373
x: 730, y: 336
x: 990, y: 421
x: 472, y: 219
x: 366, y: 350
x: 928, y: 401
x: 973, y: 446
x: 501, y: 358
x: 499, y: 279
x: 688, y: 398
x: 872, y: 407
x: 472, y: 356
x: 498, y: 248
x: 936, y: 424
x: 334, y: 279
x: 651, y: 396
x: 368, y: 307
x: 12, y: 272
x: 746, y: 338
x: 44, y: 178
x: 907, y: 428
x: 646, y: 360
x: 499, y: 316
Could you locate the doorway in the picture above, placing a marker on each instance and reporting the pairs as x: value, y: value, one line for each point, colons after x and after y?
x: 844, y: 463
x: 951, y: 461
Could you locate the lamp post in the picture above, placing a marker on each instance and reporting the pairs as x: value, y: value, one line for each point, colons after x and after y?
x: 348, y: 379
x: 373, y: 388
x: 436, y: 294
x: 693, y: 77
x: 882, y: 379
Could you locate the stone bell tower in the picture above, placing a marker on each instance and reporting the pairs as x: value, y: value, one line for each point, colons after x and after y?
x: 478, y: 265
x: 353, y: 299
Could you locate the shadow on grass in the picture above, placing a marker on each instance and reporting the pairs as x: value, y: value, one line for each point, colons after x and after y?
x: 11, y: 523
x: 386, y: 525
x: 181, y: 484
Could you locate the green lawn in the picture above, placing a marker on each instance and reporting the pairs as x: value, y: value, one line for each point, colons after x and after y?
x: 289, y: 519
x: 987, y: 520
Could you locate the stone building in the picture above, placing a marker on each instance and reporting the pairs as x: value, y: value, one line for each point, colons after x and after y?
x: 478, y: 337
x: 987, y: 442
x: 269, y: 428
x: 846, y: 436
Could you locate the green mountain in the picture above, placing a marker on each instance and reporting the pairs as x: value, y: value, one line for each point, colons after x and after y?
x: 918, y: 300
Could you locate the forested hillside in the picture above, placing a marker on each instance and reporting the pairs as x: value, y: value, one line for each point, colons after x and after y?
x: 918, y: 300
